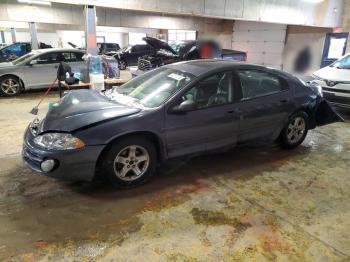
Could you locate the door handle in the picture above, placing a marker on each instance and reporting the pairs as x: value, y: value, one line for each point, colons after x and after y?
x: 230, y: 111
x: 283, y: 101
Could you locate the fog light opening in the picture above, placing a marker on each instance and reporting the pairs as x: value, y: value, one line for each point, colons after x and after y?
x: 48, y: 165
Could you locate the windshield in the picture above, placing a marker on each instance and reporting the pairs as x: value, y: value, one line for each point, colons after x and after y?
x: 153, y: 88
x: 21, y: 59
x: 343, y: 63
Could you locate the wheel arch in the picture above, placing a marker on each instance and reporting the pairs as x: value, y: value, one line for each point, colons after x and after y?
x: 151, y: 136
x: 16, y: 76
x: 310, y: 113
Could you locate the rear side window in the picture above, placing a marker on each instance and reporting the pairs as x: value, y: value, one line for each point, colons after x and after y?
x: 76, y: 57
x: 257, y: 83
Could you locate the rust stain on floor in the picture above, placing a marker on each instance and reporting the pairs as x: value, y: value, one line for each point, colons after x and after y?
x: 255, y: 203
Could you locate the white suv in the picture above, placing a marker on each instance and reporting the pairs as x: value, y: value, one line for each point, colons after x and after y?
x: 335, y: 81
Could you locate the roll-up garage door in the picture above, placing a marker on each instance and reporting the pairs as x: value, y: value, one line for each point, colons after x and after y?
x: 263, y: 42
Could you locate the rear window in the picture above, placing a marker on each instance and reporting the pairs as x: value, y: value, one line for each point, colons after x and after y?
x: 257, y: 83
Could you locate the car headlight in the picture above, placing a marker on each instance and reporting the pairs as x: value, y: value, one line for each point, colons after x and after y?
x: 58, y: 141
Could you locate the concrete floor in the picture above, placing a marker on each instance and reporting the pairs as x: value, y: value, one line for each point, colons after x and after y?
x: 255, y: 203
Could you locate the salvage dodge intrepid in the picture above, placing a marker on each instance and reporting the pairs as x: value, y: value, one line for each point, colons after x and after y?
x: 175, y: 110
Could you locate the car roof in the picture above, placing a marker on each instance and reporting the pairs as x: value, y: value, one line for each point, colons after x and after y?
x: 47, y: 50
x: 203, y: 66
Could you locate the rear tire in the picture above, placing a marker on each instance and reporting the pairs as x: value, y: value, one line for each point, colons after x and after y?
x: 10, y: 86
x: 295, y: 131
x: 130, y: 162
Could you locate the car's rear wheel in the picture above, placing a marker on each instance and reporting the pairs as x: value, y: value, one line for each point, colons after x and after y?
x: 10, y: 86
x: 130, y: 162
x: 294, y: 133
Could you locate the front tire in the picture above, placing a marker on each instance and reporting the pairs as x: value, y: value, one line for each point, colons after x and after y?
x: 294, y: 133
x: 123, y: 65
x: 130, y: 162
x: 10, y: 86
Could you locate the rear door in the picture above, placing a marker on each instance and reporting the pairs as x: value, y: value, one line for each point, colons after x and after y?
x: 75, y: 60
x: 265, y: 104
x: 212, y: 125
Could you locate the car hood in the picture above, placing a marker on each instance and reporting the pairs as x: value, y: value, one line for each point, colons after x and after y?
x: 333, y: 74
x: 157, y: 44
x: 82, y: 108
x: 6, y: 65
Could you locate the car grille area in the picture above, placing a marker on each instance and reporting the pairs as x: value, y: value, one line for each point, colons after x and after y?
x: 31, y: 159
x: 144, y: 64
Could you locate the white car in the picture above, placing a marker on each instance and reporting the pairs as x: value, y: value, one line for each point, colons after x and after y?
x: 36, y: 69
x: 335, y: 81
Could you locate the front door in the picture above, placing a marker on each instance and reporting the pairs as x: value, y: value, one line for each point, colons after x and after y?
x: 212, y: 125
x: 43, y: 71
x: 265, y: 104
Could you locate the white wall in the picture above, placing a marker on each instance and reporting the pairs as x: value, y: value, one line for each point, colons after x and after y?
x: 47, y: 38
x: 300, y: 37
x: 263, y: 42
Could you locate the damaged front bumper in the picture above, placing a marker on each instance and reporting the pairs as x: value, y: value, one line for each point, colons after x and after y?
x: 325, y: 114
x: 72, y: 165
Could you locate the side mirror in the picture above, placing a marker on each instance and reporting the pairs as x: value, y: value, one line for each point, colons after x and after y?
x: 184, y: 107
x: 33, y: 62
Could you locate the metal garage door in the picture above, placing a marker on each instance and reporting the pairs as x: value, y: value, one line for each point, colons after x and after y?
x: 264, y: 42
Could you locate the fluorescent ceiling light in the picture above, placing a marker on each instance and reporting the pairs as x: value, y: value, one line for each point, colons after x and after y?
x: 314, y: 1
x: 34, y: 2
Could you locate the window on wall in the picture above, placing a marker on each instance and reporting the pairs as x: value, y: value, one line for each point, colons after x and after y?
x: 181, y: 35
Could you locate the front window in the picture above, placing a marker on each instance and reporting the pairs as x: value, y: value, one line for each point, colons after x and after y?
x: 343, y: 63
x: 153, y: 88
x: 26, y: 57
x: 212, y: 91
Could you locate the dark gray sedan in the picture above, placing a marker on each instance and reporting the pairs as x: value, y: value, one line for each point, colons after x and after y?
x: 175, y: 110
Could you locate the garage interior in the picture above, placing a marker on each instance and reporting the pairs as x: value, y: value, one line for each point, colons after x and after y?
x: 255, y: 202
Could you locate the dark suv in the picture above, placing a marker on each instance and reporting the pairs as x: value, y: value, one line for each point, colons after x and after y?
x: 129, y: 56
x: 104, y: 48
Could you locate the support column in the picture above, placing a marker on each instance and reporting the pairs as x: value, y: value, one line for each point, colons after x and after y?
x: 90, y: 30
x: 13, y: 35
x: 2, y: 36
x: 33, y: 36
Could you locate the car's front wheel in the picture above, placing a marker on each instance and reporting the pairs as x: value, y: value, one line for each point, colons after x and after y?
x: 295, y: 131
x: 123, y: 65
x: 10, y: 86
x: 130, y: 162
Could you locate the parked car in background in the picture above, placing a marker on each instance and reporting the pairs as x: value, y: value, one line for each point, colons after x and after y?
x: 15, y: 50
x: 335, y: 81
x: 200, y: 49
x: 3, y: 45
x: 104, y: 48
x: 175, y: 110
x: 228, y: 54
x: 128, y: 56
x: 36, y: 69
x: 164, y: 54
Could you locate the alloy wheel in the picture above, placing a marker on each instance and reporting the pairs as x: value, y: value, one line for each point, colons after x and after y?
x: 296, y: 130
x: 131, y: 163
x: 10, y: 86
